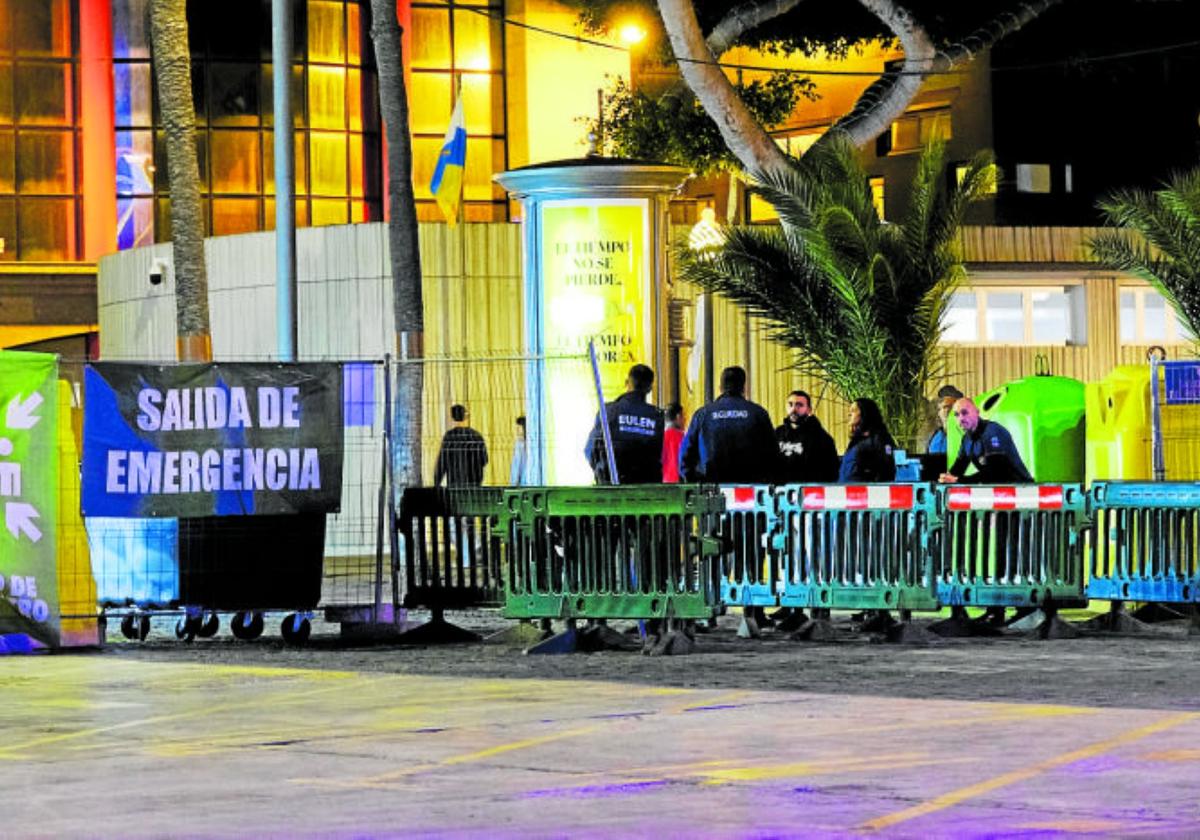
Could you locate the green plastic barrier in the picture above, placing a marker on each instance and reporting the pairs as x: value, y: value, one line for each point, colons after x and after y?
x: 631, y: 552
x: 1046, y: 418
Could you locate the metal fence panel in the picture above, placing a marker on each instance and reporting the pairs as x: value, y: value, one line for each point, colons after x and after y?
x: 1005, y: 546
x: 453, y: 558
x: 858, y: 547
x: 1145, y: 542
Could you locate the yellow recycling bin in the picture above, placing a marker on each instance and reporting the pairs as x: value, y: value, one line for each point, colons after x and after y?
x: 1119, y: 430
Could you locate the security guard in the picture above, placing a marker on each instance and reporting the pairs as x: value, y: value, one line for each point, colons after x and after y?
x: 636, y: 428
x: 731, y: 440
x: 988, y: 446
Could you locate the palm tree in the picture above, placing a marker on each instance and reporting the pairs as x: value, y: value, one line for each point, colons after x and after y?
x: 860, y: 301
x: 1167, y: 255
x: 173, y: 82
x: 403, y: 245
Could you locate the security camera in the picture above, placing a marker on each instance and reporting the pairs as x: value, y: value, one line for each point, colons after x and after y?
x: 158, y: 270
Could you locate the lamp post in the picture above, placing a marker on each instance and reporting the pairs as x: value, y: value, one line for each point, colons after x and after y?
x: 705, y: 237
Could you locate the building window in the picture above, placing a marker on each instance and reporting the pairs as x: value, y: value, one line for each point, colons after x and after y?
x: 39, y: 179
x: 451, y: 40
x: 1017, y: 315
x: 1033, y: 177
x: 914, y: 130
x: 1147, y: 318
x: 877, y: 195
x: 797, y: 144
x: 334, y: 105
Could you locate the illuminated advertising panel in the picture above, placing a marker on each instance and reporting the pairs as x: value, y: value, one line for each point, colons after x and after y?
x: 596, y: 284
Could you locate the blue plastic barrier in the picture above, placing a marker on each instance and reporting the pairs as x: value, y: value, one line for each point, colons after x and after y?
x: 750, y: 568
x: 1145, y: 543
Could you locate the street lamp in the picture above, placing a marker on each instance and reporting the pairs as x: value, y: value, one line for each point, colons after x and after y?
x: 703, y: 240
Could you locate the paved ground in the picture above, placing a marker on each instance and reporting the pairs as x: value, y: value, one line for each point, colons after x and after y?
x: 745, y: 739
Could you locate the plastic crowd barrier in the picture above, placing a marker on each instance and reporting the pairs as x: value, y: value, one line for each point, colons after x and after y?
x: 632, y: 552
x: 1011, y: 546
x: 452, y: 558
x: 750, y: 569
x: 857, y: 547
x: 1145, y: 543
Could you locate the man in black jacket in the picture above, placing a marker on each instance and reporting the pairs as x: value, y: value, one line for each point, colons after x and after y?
x: 463, y: 454
x: 731, y: 440
x: 807, y: 454
x: 636, y: 429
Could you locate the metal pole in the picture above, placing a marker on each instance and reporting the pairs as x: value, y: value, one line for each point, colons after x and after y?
x: 613, y: 478
x: 285, y: 180
x: 710, y: 356
x: 1156, y: 446
x: 390, y: 482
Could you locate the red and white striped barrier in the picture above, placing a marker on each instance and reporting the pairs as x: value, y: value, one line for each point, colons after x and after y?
x: 740, y: 498
x: 864, y: 497
x: 1025, y: 497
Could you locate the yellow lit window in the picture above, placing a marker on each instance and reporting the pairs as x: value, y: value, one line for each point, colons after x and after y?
x: 877, y: 195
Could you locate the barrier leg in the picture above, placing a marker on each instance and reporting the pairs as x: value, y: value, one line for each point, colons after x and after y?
x: 1194, y: 621
x: 748, y: 629
x: 565, y: 642
x: 961, y: 626
x: 1155, y: 613
x: 437, y: 631
x: 792, y: 621
x: 1045, y: 624
x: 904, y: 632
x: 1117, y: 620
x: 521, y: 634
x: 819, y: 628
x: 676, y: 641
x: 878, y: 621
x: 597, y: 635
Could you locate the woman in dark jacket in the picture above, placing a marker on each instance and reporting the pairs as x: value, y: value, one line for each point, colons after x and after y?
x: 869, y: 456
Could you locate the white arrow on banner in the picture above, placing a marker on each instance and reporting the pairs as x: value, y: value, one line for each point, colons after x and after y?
x: 18, y: 519
x: 20, y: 414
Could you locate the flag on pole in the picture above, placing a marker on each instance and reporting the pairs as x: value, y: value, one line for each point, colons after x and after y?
x: 446, y: 185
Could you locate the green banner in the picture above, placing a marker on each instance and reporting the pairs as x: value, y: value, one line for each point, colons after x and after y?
x: 29, y: 613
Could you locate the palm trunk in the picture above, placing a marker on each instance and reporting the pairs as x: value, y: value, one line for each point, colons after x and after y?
x: 173, y: 74
x: 402, y: 244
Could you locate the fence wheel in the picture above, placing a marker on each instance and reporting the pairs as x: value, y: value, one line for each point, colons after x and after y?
x: 186, y: 627
x: 209, y: 626
x: 295, y: 629
x: 247, y: 626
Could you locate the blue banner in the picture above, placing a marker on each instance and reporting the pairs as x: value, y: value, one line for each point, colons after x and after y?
x: 228, y: 439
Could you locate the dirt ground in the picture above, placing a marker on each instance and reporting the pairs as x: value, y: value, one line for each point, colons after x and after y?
x: 1159, y: 669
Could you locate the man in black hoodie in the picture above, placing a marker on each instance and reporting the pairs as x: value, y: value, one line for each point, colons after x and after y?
x: 636, y: 429
x: 730, y: 440
x: 807, y: 454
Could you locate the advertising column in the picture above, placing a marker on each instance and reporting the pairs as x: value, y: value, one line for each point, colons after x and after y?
x: 29, y: 614
x: 596, y: 285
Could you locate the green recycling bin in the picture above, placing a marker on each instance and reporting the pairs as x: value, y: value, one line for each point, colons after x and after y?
x: 1045, y: 416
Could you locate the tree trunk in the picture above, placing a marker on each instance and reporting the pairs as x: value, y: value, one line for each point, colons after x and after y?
x: 878, y: 107
x: 746, y: 139
x: 173, y: 75
x: 403, y: 245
